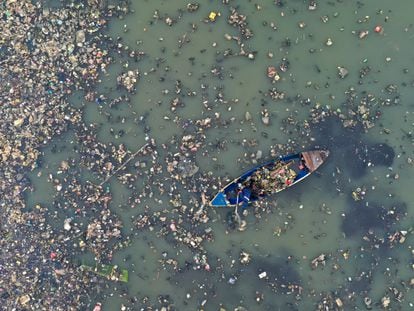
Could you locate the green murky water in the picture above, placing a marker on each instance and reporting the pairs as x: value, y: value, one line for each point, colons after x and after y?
x: 300, y: 223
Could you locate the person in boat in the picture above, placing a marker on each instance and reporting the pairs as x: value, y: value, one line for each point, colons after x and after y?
x: 244, y: 196
x: 252, y: 188
x: 303, y: 169
x: 302, y: 163
x: 240, y: 196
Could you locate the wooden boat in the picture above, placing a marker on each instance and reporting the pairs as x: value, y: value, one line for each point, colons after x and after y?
x: 269, y: 178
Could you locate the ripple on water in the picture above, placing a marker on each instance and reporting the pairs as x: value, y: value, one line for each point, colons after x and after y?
x: 350, y: 149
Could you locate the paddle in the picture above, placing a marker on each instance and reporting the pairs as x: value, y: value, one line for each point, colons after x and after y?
x: 237, y: 206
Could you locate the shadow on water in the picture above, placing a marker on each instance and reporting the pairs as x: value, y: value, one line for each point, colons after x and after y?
x: 227, y: 281
x: 361, y: 218
x: 353, y: 154
x: 275, y: 272
x: 279, y: 273
x: 349, y: 149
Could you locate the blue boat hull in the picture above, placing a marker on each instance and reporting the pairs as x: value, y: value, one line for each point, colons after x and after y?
x: 304, y: 164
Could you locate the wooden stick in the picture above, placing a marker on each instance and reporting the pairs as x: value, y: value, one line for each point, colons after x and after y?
x: 236, y: 209
x: 183, y: 38
x: 123, y: 165
x: 203, y: 203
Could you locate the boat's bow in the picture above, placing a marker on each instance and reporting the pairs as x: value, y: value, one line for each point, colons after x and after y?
x: 313, y: 159
x: 219, y: 200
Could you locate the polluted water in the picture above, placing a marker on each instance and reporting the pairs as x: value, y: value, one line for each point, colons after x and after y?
x: 121, y: 120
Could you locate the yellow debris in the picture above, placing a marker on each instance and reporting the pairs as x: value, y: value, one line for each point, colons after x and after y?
x: 212, y: 16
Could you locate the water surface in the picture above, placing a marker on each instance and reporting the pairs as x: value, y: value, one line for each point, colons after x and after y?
x: 318, y: 216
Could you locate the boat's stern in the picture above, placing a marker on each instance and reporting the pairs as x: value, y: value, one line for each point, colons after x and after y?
x: 219, y: 200
x: 315, y: 158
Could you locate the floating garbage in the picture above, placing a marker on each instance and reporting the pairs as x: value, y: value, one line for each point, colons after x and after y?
x: 213, y: 15
x: 50, y: 52
x: 111, y: 272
